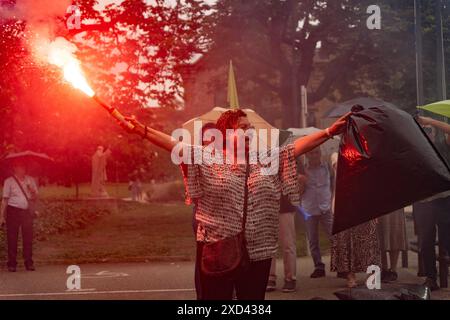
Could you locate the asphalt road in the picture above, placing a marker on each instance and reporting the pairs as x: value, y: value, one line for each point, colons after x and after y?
x: 162, y: 280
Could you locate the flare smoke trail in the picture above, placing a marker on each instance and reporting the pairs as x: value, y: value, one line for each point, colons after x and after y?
x: 43, y: 20
x: 35, y: 11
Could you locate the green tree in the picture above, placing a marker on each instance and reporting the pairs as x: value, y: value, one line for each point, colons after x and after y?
x: 278, y: 46
x: 131, y: 53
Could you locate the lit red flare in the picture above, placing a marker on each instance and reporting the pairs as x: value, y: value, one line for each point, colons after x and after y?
x: 62, y: 56
x: 60, y: 53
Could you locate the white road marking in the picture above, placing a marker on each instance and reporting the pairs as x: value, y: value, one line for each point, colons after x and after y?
x: 77, y: 292
x: 80, y: 290
x: 104, y: 274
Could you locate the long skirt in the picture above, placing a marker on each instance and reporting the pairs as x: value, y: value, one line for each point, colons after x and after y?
x: 355, y: 249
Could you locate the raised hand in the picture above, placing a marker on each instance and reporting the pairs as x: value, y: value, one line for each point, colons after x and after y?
x: 338, y: 126
x: 138, y: 128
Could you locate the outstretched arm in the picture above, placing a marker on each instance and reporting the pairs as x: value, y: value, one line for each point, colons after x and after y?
x: 306, y: 144
x: 435, y: 123
x: 154, y: 136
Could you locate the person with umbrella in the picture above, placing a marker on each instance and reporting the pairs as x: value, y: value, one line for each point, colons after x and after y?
x: 223, y: 198
x: 445, y: 127
x: 17, y: 212
x: 433, y: 212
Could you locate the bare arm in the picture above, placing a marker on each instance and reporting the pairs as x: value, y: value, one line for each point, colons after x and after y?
x: 435, y: 123
x: 305, y: 144
x: 301, y: 145
x: 156, y: 137
x: 3, y: 211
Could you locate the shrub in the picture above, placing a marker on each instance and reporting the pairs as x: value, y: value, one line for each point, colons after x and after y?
x: 59, y: 216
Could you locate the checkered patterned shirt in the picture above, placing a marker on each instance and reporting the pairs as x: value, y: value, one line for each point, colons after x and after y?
x: 218, y: 190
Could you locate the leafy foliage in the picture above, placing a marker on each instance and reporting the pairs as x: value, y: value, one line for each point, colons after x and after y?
x: 132, y: 54
x: 137, y: 53
x: 61, y: 216
x: 277, y: 46
x: 146, y: 44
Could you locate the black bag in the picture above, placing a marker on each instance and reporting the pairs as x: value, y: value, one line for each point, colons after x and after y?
x: 228, y: 257
x: 386, y: 162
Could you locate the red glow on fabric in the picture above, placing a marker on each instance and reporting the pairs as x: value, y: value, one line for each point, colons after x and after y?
x: 351, y: 154
x: 356, y: 151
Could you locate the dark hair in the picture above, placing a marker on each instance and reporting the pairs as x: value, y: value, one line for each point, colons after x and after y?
x: 229, y: 119
x: 207, y: 126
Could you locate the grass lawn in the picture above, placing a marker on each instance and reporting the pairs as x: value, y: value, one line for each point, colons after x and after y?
x: 133, y: 232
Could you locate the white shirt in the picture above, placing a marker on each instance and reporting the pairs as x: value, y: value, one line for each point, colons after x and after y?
x: 14, y: 195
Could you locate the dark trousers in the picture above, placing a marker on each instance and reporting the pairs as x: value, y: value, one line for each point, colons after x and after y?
x: 428, y: 215
x: 249, y: 285
x: 442, y: 207
x: 198, y: 286
x: 197, y: 279
x: 17, y: 219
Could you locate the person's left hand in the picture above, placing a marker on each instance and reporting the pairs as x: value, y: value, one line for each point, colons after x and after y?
x: 424, y: 121
x: 338, y: 127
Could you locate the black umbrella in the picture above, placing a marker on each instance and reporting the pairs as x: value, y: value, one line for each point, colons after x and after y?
x: 34, y: 161
x: 343, y: 108
x: 386, y: 162
x: 28, y: 155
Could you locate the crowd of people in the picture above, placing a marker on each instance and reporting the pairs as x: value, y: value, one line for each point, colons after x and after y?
x: 236, y: 198
x: 355, y: 249
x: 378, y: 242
x: 217, y: 192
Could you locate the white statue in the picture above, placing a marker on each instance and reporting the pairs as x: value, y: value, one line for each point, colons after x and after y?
x: 99, y: 178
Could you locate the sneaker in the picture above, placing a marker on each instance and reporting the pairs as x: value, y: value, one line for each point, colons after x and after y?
x: 289, y: 286
x: 12, y: 269
x: 431, y: 284
x: 271, y: 286
x: 318, y: 273
x: 342, y: 275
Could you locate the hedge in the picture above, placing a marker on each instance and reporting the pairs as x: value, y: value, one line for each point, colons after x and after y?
x: 59, y: 216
